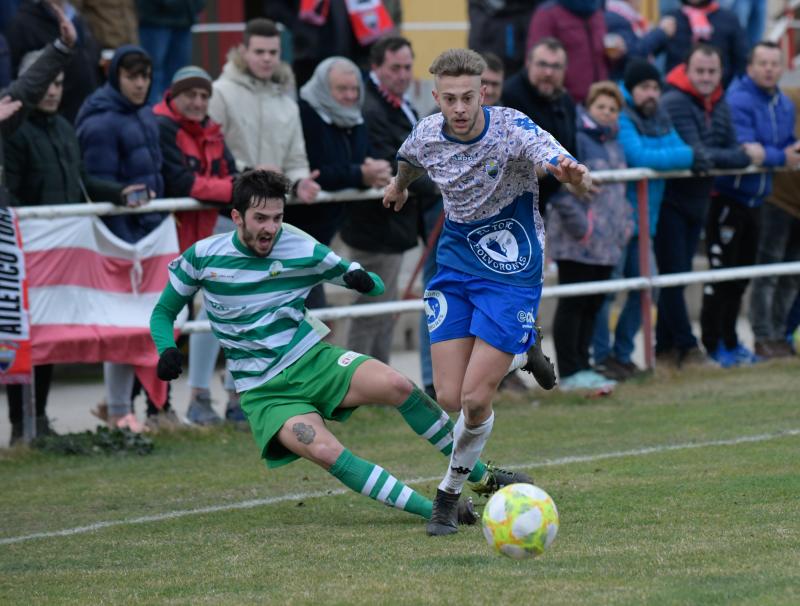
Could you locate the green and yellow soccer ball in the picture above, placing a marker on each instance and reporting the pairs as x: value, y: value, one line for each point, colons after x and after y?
x: 520, y: 521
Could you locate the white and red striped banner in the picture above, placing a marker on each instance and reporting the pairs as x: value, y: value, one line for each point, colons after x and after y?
x: 15, y: 337
x: 91, y: 293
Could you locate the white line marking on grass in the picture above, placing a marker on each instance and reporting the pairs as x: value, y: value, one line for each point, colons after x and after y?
x: 172, y: 515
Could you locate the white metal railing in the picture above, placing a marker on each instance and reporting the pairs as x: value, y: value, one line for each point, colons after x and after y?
x: 346, y: 195
x: 644, y: 283
x: 553, y: 292
x: 99, y: 209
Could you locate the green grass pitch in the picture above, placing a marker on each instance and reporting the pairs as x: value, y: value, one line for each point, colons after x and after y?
x: 677, y: 489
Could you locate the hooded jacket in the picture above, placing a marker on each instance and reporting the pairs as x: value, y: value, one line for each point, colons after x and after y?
x: 705, y: 125
x: 650, y: 142
x: 260, y: 118
x: 581, y: 31
x: 763, y: 118
x: 120, y: 143
x: 197, y: 164
x: 594, y: 232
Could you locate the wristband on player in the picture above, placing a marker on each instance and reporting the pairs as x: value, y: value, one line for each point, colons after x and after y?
x: 379, y: 287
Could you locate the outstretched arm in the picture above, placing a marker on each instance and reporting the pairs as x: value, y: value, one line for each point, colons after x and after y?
x: 396, y: 193
x: 573, y: 174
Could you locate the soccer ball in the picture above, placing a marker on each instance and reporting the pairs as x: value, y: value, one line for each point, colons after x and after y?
x: 520, y: 521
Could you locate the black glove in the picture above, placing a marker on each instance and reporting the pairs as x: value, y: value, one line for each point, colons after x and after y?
x: 170, y: 364
x: 359, y: 280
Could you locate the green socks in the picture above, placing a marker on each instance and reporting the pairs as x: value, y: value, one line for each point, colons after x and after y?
x: 428, y: 420
x: 378, y: 484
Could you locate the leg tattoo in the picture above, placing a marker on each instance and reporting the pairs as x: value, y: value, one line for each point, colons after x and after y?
x: 305, y: 433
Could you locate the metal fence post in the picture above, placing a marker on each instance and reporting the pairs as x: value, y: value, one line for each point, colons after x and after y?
x: 28, y: 411
x: 644, y: 271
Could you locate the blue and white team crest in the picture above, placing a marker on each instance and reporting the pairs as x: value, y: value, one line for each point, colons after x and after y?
x: 492, y: 169
x: 435, y: 308
x: 503, y: 246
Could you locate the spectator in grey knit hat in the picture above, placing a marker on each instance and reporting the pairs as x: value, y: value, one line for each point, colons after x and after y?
x: 197, y: 164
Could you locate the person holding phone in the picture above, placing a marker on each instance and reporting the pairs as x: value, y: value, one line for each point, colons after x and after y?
x: 119, y: 139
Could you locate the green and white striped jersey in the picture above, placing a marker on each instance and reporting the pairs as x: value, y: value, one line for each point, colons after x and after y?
x: 256, y: 305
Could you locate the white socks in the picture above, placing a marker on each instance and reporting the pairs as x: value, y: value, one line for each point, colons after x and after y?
x: 468, y: 443
x: 518, y: 361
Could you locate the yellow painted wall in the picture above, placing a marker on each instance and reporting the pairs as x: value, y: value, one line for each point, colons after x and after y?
x: 428, y: 44
x: 434, y: 10
x: 650, y: 10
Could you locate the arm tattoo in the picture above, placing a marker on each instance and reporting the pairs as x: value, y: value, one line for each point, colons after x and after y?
x: 407, y: 174
x: 305, y: 433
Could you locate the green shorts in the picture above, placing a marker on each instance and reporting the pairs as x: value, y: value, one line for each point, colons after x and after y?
x: 317, y: 382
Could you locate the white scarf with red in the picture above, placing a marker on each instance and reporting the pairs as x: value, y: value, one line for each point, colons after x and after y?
x: 698, y: 20
x: 631, y: 15
x: 369, y: 18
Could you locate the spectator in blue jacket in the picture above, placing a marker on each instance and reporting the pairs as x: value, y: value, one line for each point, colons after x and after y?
x: 761, y: 114
x: 702, y: 118
x: 119, y: 139
x: 587, y: 237
x: 650, y: 141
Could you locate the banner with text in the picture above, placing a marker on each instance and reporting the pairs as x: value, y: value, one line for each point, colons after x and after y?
x: 15, y: 338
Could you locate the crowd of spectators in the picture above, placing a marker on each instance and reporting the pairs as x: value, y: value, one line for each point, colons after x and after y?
x: 101, y: 101
x: 696, y: 91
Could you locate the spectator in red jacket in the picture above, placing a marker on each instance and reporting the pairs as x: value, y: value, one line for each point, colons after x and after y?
x: 197, y: 163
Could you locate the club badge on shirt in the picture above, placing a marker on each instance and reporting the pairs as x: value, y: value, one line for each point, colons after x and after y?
x: 502, y: 246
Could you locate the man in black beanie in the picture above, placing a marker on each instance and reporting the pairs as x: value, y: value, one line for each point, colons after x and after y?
x: 641, y: 72
x: 649, y: 141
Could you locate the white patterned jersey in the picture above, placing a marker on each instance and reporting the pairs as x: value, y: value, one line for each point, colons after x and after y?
x: 490, y: 192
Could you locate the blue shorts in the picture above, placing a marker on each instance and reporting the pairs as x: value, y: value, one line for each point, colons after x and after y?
x: 459, y: 305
